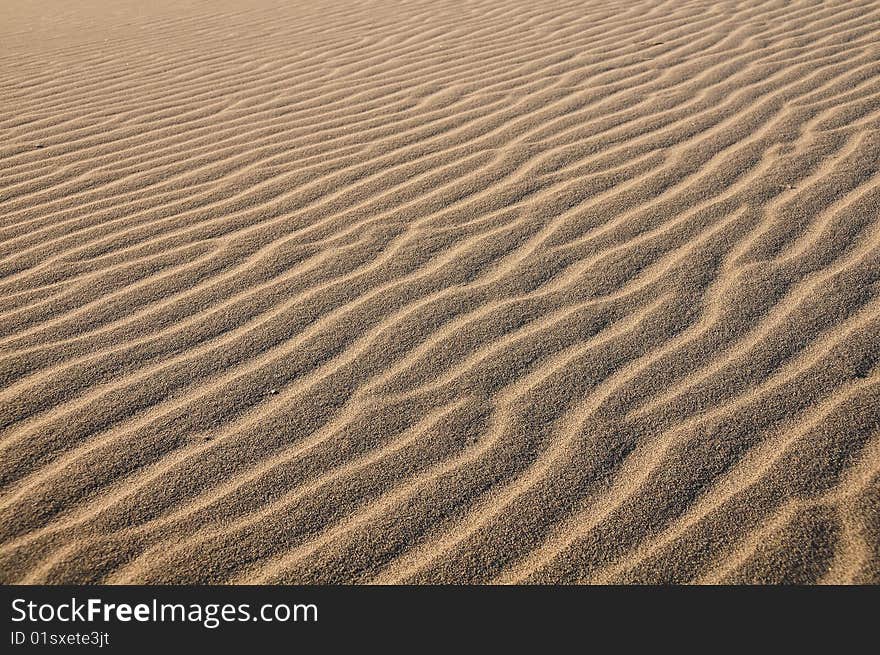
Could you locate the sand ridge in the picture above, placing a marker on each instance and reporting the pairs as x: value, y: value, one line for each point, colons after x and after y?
x: 440, y: 292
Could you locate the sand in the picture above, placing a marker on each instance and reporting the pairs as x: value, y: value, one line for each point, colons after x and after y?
x: 440, y: 292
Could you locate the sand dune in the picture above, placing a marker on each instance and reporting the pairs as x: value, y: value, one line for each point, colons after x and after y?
x: 440, y: 292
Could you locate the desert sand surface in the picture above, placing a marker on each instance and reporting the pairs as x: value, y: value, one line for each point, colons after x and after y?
x: 439, y: 291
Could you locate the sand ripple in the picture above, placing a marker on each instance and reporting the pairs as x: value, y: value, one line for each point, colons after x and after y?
x: 440, y: 292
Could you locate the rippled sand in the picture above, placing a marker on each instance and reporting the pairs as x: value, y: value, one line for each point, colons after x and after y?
x: 440, y: 291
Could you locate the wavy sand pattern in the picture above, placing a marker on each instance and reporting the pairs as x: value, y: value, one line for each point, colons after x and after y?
x: 440, y: 291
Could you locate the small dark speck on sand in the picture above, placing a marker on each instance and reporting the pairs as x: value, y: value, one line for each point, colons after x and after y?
x: 862, y: 369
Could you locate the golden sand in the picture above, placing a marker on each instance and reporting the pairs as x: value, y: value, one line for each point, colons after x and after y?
x: 437, y: 291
